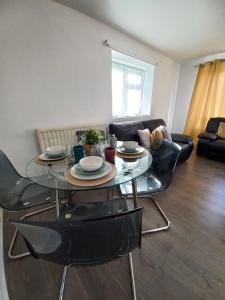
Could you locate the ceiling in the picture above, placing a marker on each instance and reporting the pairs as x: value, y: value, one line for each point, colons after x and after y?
x: 181, y: 29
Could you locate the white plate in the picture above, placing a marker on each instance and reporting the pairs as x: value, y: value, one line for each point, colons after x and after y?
x: 107, y: 170
x: 123, y: 151
x: 80, y: 171
x: 44, y: 157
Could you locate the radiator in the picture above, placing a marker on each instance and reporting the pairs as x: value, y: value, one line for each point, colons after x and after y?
x: 48, y: 137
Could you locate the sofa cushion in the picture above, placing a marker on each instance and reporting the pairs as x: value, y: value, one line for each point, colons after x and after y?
x: 126, y: 131
x: 145, y: 138
x: 153, y: 124
x: 165, y: 133
x: 156, y: 138
x: 213, y: 124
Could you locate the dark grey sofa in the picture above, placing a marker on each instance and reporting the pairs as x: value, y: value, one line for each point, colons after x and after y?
x: 127, y: 131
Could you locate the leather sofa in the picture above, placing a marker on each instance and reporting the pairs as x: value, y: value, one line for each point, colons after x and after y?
x: 209, y: 143
x: 127, y: 131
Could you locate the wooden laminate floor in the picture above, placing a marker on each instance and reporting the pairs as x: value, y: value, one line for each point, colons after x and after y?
x: 186, y: 262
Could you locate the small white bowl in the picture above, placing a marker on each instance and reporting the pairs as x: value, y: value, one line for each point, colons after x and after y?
x: 55, y: 151
x: 91, y: 163
x: 130, y: 145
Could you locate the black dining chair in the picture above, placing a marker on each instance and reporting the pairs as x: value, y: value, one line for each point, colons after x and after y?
x: 86, y: 234
x: 157, y: 179
x: 19, y: 193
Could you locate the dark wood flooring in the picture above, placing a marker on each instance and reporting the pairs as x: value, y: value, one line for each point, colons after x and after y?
x: 186, y: 262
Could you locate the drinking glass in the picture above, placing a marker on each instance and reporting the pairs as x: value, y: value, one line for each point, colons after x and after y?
x: 112, y: 140
x: 78, y: 151
x: 110, y: 154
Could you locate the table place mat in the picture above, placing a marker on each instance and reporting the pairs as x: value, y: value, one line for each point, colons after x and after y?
x: 82, y: 182
x: 139, y: 155
x: 49, y: 162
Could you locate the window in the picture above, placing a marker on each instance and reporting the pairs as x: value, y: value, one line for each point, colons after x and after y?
x: 131, y: 86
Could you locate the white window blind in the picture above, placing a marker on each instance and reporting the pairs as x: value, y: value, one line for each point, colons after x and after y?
x: 131, y: 89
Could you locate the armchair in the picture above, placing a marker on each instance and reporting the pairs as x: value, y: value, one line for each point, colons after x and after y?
x: 209, y: 143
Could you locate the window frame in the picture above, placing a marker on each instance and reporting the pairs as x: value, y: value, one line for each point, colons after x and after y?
x: 145, y: 70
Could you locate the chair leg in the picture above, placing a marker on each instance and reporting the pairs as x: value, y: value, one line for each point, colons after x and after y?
x: 13, y: 241
x: 63, y: 282
x: 65, y: 271
x: 162, y: 228
x: 134, y: 297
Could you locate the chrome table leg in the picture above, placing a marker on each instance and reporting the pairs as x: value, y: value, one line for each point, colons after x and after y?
x: 134, y: 189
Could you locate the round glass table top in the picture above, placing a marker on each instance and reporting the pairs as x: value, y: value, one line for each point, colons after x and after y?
x: 53, y: 175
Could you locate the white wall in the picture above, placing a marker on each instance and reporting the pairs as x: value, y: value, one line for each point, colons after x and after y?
x: 188, y: 73
x: 55, y: 71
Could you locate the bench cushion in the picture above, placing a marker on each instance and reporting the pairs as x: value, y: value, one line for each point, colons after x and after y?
x: 126, y: 131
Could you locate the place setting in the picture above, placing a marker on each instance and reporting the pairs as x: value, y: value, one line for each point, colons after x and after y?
x: 130, y: 150
x: 53, y: 154
x: 91, y: 171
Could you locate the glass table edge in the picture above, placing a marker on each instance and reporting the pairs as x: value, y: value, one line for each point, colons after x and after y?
x: 74, y: 188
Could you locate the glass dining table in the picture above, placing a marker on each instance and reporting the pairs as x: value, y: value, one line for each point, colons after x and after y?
x: 53, y: 175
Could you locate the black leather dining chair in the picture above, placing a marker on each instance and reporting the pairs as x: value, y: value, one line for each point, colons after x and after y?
x: 86, y: 234
x: 157, y: 179
x: 19, y: 193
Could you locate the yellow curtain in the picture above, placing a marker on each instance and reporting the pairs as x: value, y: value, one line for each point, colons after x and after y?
x: 208, y: 98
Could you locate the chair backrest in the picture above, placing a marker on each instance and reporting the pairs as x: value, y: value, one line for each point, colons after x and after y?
x: 83, y: 242
x: 213, y: 124
x: 164, y: 163
x: 9, y: 179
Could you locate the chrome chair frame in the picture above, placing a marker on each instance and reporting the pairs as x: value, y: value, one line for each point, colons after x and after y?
x: 131, y: 269
x: 148, y: 195
x: 8, y: 165
x: 159, y: 209
x: 15, y: 234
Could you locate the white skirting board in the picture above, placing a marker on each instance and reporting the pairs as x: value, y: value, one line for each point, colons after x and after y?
x: 3, y: 287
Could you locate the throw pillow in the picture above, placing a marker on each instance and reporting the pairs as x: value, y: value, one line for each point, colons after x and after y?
x: 158, y: 135
x: 145, y: 138
x: 221, y: 130
x: 165, y: 133
x: 156, y: 138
